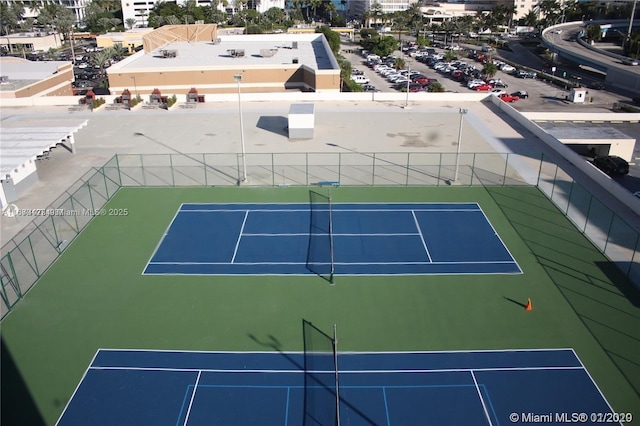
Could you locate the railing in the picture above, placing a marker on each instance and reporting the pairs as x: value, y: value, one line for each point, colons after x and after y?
x: 29, y: 254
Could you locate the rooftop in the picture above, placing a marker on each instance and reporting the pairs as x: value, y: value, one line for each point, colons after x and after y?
x: 310, y: 50
x: 22, y: 72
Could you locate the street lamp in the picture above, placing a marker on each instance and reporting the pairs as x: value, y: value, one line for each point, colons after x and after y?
x: 135, y: 86
x: 406, y: 101
x: 462, y: 112
x: 238, y: 79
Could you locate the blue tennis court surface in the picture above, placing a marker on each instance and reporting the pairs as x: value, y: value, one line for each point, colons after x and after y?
x: 175, y: 388
x: 358, y: 239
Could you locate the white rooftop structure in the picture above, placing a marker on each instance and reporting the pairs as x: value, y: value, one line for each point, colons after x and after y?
x: 307, y: 49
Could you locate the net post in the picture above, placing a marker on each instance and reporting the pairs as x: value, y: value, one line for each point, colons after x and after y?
x: 335, y: 361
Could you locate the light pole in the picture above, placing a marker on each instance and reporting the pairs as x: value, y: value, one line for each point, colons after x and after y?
x: 406, y: 101
x: 238, y: 79
x: 462, y: 112
x: 135, y: 86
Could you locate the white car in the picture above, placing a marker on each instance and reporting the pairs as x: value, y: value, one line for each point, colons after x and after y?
x: 507, y: 68
x: 474, y: 83
x: 497, y: 92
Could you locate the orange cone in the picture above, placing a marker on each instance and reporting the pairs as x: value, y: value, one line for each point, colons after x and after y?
x: 528, y: 306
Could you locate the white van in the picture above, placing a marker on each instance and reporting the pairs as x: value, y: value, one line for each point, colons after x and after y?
x: 360, y: 79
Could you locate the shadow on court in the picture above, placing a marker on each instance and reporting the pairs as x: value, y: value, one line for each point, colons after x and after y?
x: 18, y: 406
x: 598, y: 292
x: 320, y: 400
x: 320, y: 249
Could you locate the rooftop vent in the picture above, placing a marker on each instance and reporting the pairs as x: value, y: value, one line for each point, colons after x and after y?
x: 216, y: 41
x: 294, y: 45
x: 236, y: 53
x: 169, y: 53
x: 4, y: 79
x: 267, y: 53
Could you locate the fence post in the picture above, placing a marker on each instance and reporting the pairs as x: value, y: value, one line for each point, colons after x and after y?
x: 15, y: 276
x: 406, y: 182
x: 373, y: 170
x: 540, y: 170
x: 173, y: 178
x: 118, y: 168
x: 144, y: 177
x: 506, y: 170
x: 33, y: 253
x: 204, y: 168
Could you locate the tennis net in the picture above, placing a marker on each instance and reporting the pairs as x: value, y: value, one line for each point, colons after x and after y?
x: 321, y: 396
x: 320, y: 251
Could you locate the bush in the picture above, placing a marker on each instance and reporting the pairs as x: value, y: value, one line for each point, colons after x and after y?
x: 135, y: 101
x: 97, y: 102
x: 171, y: 101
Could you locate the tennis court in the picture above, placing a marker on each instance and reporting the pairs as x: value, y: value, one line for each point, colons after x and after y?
x: 327, y: 238
x: 176, y: 388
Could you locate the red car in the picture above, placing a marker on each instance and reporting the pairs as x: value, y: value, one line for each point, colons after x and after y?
x: 483, y: 88
x: 509, y: 98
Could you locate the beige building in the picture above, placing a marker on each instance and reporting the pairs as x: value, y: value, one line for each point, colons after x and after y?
x: 177, y: 58
x: 30, y: 42
x: 21, y: 78
x: 130, y: 40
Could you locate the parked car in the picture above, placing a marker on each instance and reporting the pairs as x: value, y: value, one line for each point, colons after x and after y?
x: 522, y: 94
x: 508, y: 98
x: 360, y: 79
x: 483, y: 88
x: 526, y: 74
x: 507, y: 68
x: 498, y: 83
x: 612, y: 165
x: 370, y: 88
x: 498, y: 92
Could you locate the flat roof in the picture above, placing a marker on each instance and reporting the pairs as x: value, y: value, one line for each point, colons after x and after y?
x: 582, y: 131
x: 309, y: 50
x: 22, y: 72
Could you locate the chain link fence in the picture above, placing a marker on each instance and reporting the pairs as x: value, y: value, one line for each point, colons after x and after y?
x: 30, y: 253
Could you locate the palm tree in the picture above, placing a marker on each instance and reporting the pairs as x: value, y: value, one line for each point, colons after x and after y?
x: 131, y: 22
x: 490, y: 69
x: 399, y: 63
x: 100, y: 58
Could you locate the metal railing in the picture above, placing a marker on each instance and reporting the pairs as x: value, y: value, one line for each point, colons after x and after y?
x: 27, y: 256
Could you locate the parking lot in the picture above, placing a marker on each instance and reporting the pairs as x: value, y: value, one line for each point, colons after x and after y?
x: 542, y: 96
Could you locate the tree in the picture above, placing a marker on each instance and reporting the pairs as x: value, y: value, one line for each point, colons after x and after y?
x: 131, y: 22
x: 399, y: 63
x: 435, y: 87
x: 333, y: 38
x: 100, y: 59
x: 381, y: 46
x: 490, y: 69
x: 593, y: 32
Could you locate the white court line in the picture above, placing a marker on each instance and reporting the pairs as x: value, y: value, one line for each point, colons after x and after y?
x: 484, y: 406
x: 594, y: 382
x: 338, y: 210
x: 424, y: 243
x: 501, y: 242
x: 193, y: 395
x: 413, y: 371
x: 235, y: 251
x: 501, y: 262
x: 166, y: 232
x: 78, y: 386
x: 305, y: 234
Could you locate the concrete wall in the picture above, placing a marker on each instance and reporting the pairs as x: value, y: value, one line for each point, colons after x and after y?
x: 622, y: 194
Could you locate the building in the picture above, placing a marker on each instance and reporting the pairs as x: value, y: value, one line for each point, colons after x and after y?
x: 140, y: 9
x: 131, y: 39
x: 22, y: 78
x: 30, y: 42
x: 177, y: 58
x: 31, y: 8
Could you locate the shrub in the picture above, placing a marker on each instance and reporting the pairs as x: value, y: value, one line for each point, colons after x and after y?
x: 171, y: 101
x: 97, y: 102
